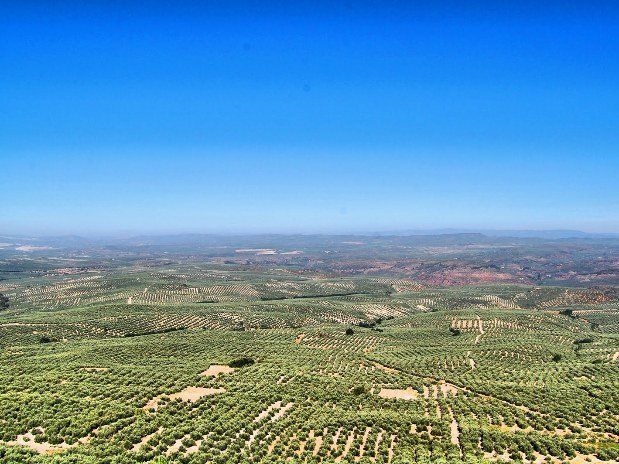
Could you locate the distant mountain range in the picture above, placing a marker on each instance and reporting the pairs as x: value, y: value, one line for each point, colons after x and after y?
x: 416, y: 237
x: 555, y: 234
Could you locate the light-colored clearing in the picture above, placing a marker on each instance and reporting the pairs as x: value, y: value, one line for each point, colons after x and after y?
x: 27, y: 440
x: 193, y: 394
x: 96, y: 369
x: 455, y: 432
x: 190, y: 394
x: 299, y: 338
x: 216, y: 369
x: 32, y: 248
x: 394, y: 393
x: 258, y: 251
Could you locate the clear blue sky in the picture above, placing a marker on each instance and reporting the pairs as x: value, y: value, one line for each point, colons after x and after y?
x: 308, y: 117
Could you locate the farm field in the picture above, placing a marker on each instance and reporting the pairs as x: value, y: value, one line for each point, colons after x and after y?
x: 194, y: 361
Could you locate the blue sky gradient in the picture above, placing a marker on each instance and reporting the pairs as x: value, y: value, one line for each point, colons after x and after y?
x: 308, y: 117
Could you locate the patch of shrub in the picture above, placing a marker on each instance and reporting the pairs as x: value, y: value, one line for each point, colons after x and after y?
x: 350, y: 331
x: 358, y: 390
x: 366, y: 324
x: 241, y: 362
x: 568, y: 313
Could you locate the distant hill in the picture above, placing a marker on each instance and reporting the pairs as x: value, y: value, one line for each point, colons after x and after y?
x: 556, y: 234
x: 434, y: 237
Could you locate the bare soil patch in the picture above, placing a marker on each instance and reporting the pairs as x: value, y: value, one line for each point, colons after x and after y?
x: 394, y: 393
x: 27, y: 440
x: 215, y: 369
x: 189, y: 394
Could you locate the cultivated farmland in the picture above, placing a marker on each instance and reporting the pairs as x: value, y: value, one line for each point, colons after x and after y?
x: 195, y: 360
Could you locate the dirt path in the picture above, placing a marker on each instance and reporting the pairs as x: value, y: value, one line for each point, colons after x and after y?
x: 471, y: 361
x: 391, y: 447
x: 481, y: 329
x: 455, y: 431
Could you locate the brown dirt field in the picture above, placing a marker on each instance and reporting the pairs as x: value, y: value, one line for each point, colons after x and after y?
x: 27, y: 440
x: 190, y: 394
x: 216, y: 369
x: 394, y: 393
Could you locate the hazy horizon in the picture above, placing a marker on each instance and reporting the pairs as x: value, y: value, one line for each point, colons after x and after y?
x: 120, y: 234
